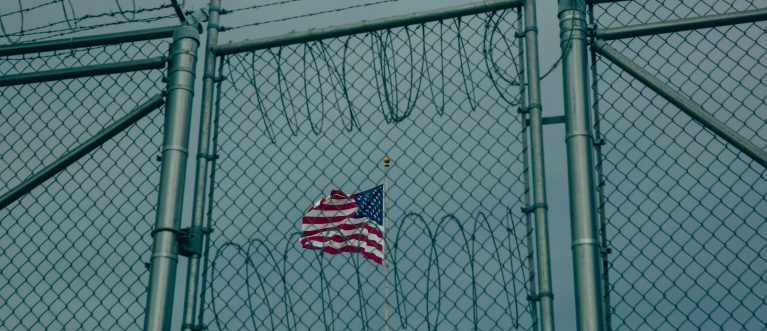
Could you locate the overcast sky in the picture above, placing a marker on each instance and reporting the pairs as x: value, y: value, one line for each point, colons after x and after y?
x: 552, y: 101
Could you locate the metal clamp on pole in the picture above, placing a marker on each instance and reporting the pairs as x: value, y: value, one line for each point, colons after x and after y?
x: 214, y: 78
x: 190, y: 241
x: 194, y: 327
x: 531, y: 209
x: 162, y: 274
x: 523, y: 33
x: 537, y: 297
x: 600, y: 142
x: 207, y: 157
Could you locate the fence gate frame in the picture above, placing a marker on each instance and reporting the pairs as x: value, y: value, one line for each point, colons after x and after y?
x: 588, y: 222
x: 178, y: 93
x: 541, y: 296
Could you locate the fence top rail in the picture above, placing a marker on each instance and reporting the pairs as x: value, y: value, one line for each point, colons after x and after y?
x: 669, y: 26
x: 366, y: 26
x: 88, y: 41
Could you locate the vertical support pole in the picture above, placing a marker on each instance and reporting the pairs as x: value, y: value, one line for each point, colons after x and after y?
x: 580, y: 162
x: 545, y: 295
x: 180, y: 91
x: 525, y: 123
x: 598, y: 144
x: 201, y: 173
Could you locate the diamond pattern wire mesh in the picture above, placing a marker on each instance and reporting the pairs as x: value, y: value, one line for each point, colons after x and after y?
x: 73, y: 249
x: 296, y: 121
x: 685, y: 210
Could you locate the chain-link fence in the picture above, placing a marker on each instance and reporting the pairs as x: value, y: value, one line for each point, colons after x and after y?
x: 685, y: 210
x: 296, y: 121
x: 74, y: 248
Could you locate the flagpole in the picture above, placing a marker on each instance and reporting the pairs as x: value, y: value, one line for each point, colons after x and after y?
x: 386, y: 161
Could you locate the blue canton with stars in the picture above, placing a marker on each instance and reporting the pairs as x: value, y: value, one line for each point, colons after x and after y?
x: 370, y: 204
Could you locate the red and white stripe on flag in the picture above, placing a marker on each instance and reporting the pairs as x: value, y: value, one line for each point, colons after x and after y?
x: 346, y: 223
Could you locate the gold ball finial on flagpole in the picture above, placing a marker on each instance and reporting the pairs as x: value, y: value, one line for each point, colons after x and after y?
x: 387, y: 159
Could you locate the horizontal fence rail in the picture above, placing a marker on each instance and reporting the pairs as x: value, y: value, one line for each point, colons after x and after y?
x: 748, y: 16
x: 88, y: 71
x: 88, y: 41
x: 367, y: 26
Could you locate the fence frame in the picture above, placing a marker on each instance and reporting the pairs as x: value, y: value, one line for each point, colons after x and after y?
x: 543, y: 297
x: 598, y: 315
x: 178, y: 92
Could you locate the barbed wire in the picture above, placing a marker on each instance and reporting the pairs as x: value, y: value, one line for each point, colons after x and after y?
x: 53, y: 2
x: 253, y: 7
x: 284, y: 19
x: 73, y: 22
x: 66, y: 32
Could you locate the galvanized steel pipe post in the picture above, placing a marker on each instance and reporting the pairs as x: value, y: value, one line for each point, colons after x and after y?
x: 545, y: 294
x: 580, y: 162
x: 203, y: 158
x: 180, y: 93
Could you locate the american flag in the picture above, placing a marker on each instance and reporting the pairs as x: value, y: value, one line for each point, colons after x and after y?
x: 346, y: 223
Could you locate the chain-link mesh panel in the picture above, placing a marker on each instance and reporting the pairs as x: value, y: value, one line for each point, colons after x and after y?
x: 73, y: 249
x: 685, y: 210
x: 297, y: 121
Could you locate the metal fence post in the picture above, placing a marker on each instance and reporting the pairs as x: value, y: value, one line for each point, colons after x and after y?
x: 181, y: 76
x: 601, y: 180
x: 203, y: 157
x: 544, y: 296
x: 583, y: 211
